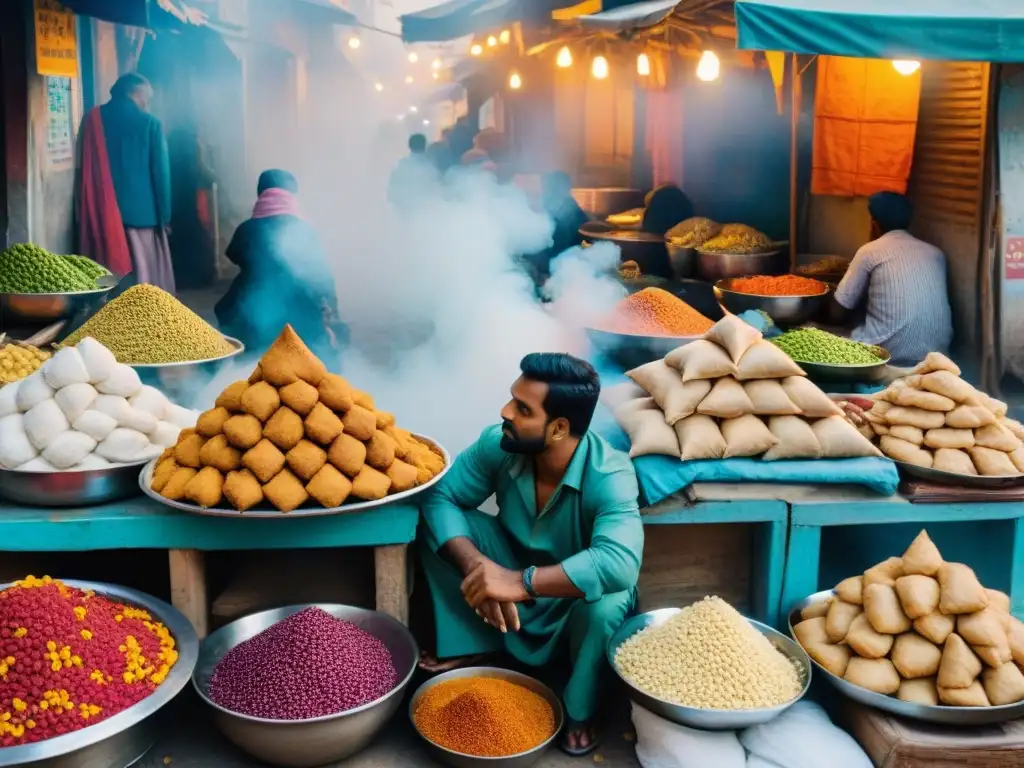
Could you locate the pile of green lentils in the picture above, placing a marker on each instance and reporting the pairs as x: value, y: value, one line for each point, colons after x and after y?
x: 27, y: 268
x: 812, y: 345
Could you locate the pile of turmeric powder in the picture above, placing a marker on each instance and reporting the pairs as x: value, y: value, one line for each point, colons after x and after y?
x: 655, y: 312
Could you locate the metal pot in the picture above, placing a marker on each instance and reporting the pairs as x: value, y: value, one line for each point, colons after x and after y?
x: 646, y: 249
x: 717, y: 266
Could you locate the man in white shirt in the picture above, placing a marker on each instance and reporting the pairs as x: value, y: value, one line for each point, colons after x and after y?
x: 902, y: 282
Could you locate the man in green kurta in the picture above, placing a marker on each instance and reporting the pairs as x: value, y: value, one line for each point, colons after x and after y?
x: 555, y: 572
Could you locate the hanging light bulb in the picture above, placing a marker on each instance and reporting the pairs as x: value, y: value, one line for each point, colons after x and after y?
x: 599, y: 67
x: 505, y: 36
x: 413, y: 58
x: 492, y: 41
x: 436, y: 75
x: 413, y: 109
x: 708, y: 68
x: 906, y: 67
x: 515, y: 82
x: 436, y: 64
x: 354, y: 42
x: 476, y: 49
x: 564, y: 58
x: 378, y: 87
x: 426, y: 122
x: 408, y: 79
x: 643, y: 65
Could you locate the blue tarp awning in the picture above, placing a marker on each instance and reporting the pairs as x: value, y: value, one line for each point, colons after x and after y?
x: 642, y: 15
x: 953, y: 30
x: 458, y: 18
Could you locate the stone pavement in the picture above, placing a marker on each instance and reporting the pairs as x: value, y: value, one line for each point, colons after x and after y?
x: 193, y: 742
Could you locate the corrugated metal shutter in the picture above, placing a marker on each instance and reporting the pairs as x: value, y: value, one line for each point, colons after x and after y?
x: 948, y: 177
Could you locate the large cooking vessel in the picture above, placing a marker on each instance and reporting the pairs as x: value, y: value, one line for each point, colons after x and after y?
x: 600, y: 202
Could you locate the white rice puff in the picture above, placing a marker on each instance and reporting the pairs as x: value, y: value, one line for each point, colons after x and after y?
x: 140, y: 421
x: 95, y: 424
x: 181, y: 417
x: 38, y: 464
x: 99, y: 361
x: 32, y: 391
x: 64, y: 369
x: 92, y: 461
x: 123, y: 446
x: 15, y: 447
x: 69, y: 449
x: 75, y: 400
x: 152, y: 401
x: 123, y: 381
x: 113, y: 406
x: 8, y: 399
x: 165, y: 435
x: 45, y: 423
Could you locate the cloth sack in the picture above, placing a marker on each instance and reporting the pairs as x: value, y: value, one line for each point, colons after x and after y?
x: 661, y: 744
x: 800, y: 737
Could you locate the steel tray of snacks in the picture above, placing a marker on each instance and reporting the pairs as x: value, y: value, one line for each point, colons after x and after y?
x: 957, y: 716
x: 462, y: 760
x: 954, y: 478
x: 125, y: 738
x: 71, y: 488
x: 850, y: 373
x: 784, y: 310
x: 630, y: 350
x: 264, y: 510
x: 710, y: 719
x: 318, y: 740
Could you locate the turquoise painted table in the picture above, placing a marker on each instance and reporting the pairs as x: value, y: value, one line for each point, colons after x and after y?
x: 710, y: 503
x: 831, y: 538
x: 143, y: 524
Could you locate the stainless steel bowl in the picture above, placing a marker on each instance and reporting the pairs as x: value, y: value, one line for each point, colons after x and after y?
x: 72, y: 488
x: 957, y: 716
x: 462, y: 760
x: 710, y: 719
x: 718, y: 266
x: 181, y: 381
x: 32, y: 311
x: 682, y: 259
x: 319, y: 740
x: 631, y: 350
x: 125, y: 738
x: 645, y: 248
x: 863, y: 373
x: 785, y: 310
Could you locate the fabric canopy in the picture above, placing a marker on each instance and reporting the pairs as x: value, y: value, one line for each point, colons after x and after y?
x: 636, y: 16
x: 954, y: 30
x: 458, y: 18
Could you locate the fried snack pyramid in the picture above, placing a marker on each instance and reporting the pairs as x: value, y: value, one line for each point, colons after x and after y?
x: 291, y: 434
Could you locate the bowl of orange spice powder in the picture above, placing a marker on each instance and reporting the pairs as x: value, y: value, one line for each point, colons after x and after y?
x: 486, y: 716
x: 647, y: 325
x: 787, y: 299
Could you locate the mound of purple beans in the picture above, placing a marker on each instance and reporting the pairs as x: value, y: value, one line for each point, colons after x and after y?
x: 308, y: 665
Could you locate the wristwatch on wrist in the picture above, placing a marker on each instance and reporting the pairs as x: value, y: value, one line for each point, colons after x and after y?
x: 528, y: 581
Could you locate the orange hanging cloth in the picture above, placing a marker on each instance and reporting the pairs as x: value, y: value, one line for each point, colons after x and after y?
x: 865, y: 121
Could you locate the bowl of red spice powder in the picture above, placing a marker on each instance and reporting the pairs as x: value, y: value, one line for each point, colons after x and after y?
x: 787, y: 299
x: 85, y: 670
x: 306, y: 685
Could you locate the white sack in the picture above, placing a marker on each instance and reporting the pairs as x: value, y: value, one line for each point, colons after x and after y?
x: 661, y: 744
x: 69, y: 449
x: 75, y: 400
x: 99, y: 361
x: 64, y: 369
x: 44, y: 423
x: 801, y: 737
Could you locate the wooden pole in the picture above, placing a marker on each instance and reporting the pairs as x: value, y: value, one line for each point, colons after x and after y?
x: 794, y: 165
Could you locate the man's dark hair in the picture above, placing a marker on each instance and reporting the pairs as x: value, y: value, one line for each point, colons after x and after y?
x: 417, y: 143
x: 891, y: 211
x: 127, y: 84
x: 573, y: 387
x: 277, y: 179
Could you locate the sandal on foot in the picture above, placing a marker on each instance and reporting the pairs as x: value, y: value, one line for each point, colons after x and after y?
x: 572, y: 726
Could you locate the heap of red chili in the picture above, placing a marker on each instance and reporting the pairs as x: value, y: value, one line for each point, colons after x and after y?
x: 71, y: 658
x: 781, y: 285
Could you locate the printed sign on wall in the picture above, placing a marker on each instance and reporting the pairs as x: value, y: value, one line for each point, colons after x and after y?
x: 1014, y: 269
x: 56, y: 40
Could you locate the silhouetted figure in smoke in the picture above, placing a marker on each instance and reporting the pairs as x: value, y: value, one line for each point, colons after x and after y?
x: 667, y: 206
x: 414, y: 176
x: 284, y: 276
x: 192, y: 246
x: 567, y: 217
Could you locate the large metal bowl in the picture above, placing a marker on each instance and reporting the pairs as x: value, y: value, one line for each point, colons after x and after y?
x: 714, y: 266
x: 645, y: 248
x: 863, y: 373
x: 709, y: 719
x: 71, y: 488
x: 462, y: 760
x: 784, y: 310
x: 682, y: 259
x: 126, y: 737
x: 144, y: 480
x: 181, y: 381
x: 630, y: 350
x: 319, y: 740
x: 957, y: 716
x: 32, y: 311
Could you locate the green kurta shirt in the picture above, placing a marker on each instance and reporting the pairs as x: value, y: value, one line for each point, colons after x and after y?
x: 591, y: 524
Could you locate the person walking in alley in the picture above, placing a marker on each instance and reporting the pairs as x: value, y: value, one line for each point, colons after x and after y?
x: 124, y: 195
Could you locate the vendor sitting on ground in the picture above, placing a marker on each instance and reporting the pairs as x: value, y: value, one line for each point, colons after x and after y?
x: 902, y: 282
x: 554, y: 574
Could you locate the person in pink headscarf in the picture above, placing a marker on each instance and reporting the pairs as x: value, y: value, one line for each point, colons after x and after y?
x: 283, y: 275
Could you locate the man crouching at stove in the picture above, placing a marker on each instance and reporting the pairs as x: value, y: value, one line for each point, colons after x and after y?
x: 555, y: 572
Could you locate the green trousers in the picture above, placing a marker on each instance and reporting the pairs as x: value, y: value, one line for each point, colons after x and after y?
x: 551, y: 627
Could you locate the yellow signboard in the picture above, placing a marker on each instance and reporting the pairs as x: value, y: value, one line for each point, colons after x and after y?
x: 56, y: 40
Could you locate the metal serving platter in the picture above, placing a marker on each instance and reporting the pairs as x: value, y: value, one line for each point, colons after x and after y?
x: 319, y: 740
x: 237, y: 348
x: 123, y: 739
x: 71, y: 488
x: 710, y: 719
x: 461, y: 759
x: 953, y: 478
x: 266, y: 511
x: 943, y: 715
x: 631, y: 350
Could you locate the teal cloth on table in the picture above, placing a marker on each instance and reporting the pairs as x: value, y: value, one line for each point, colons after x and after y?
x: 949, y: 30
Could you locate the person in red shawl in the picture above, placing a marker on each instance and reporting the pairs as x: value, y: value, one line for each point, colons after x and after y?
x: 124, y: 197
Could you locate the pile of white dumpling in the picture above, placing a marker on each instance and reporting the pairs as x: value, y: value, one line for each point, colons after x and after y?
x: 84, y: 410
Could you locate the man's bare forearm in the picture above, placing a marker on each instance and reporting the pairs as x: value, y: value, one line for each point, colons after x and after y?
x: 551, y: 581
x: 462, y: 553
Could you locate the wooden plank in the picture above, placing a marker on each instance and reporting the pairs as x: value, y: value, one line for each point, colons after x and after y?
x: 876, y: 512
x: 188, y: 587
x: 707, y: 512
x: 392, y: 579
x: 145, y: 524
x: 803, y: 562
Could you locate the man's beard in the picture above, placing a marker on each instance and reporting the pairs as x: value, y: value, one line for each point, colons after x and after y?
x: 511, y: 442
